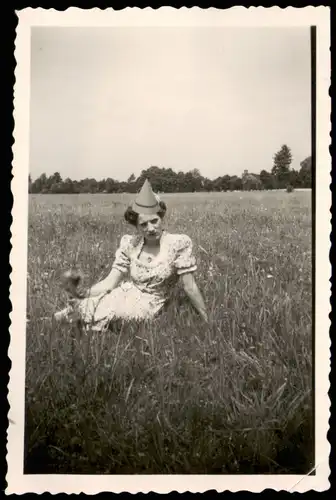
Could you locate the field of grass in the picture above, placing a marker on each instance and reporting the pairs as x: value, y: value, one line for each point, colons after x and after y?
x: 178, y: 397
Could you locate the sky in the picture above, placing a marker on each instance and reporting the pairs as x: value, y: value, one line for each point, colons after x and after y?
x: 109, y: 102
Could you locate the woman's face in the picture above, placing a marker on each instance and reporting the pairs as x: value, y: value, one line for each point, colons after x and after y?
x: 150, y: 226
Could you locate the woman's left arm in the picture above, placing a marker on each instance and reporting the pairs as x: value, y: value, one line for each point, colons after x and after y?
x: 194, y: 294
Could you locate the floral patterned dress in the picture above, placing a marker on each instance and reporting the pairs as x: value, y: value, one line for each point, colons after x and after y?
x: 149, y: 284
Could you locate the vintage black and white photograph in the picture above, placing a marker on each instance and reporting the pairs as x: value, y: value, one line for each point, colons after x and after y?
x: 171, y: 179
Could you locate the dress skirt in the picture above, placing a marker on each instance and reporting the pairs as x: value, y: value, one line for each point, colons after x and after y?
x: 124, y: 302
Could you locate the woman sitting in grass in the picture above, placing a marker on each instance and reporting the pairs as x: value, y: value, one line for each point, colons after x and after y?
x: 155, y: 261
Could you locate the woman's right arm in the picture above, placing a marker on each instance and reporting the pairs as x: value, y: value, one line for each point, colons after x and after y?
x: 105, y: 286
x: 108, y: 284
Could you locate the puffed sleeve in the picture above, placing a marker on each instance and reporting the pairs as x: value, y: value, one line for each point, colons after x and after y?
x: 185, y: 261
x: 122, y: 259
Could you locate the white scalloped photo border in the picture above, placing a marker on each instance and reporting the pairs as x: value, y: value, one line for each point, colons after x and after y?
x: 18, y: 482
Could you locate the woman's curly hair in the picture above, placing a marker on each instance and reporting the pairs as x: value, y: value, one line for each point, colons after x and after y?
x: 132, y: 217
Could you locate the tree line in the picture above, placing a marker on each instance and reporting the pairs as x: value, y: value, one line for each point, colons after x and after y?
x: 165, y: 180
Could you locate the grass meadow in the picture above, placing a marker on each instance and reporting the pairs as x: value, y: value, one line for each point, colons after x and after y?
x: 234, y: 397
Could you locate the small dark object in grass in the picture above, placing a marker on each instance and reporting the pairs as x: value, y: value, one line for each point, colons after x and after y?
x: 71, y: 279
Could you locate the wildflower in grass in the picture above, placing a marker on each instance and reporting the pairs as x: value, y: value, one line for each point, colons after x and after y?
x: 155, y: 259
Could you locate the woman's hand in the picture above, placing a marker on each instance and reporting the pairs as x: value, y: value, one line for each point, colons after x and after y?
x: 195, y: 296
x: 204, y: 315
x: 202, y: 312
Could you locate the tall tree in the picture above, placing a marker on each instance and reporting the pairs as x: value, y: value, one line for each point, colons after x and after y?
x: 267, y: 180
x: 68, y: 186
x: 235, y: 183
x: 305, y: 173
x: 294, y: 178
x: 56, y: 178
x: 111, y: 185
x: 40, y: 184
x: 221, y: 183
x: 281, y: 163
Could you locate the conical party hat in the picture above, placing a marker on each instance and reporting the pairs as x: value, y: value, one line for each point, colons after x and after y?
x: 146, y: 201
